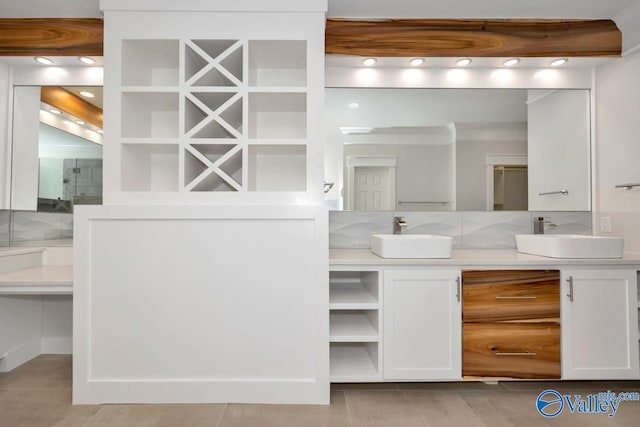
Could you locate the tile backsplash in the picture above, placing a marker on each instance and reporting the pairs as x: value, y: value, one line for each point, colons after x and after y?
x: 470, y: 230
x: 5, y: 215
x: 40, y: 226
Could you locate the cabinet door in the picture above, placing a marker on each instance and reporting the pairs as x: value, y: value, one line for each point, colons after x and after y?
x: 599, y: 324
x: 422, y: 325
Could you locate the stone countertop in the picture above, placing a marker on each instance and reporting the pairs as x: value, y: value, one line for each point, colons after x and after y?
x: 479, y: 258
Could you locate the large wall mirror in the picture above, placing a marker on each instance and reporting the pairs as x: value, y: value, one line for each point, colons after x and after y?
x: 458, y: 149
x: 56, y: 161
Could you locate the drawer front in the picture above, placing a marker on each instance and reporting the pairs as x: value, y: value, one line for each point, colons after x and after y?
x: 512, y: 350
x: 504, y: 295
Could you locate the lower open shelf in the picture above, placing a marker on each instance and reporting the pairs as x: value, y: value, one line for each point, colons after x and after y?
x: 354, y: 362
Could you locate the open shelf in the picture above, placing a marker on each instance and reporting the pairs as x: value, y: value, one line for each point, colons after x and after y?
x: 150, y: 62
x: 351, y: 362
x: 149, y: 115
x: 353, y: 290
x: 278, y: 63
x: 277, y: 168
x: 275, y: 115
x: 187, y: 103
x: 354, y: 326
x: 149, y: 167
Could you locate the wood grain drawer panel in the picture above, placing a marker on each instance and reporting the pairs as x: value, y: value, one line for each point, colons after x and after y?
x: 508, y: 295
x: 512, y: 350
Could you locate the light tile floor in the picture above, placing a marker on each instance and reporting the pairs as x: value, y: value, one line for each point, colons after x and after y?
x: 39, y: 394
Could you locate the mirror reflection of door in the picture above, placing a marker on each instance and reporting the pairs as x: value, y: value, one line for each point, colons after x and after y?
x: 510, y: 188
x: 373, y: 189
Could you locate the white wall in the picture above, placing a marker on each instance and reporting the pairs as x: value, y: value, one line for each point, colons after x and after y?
x: 5, y: 152
x: 26, y: 113
x: 58, y: 144
x: 425, y: 162
x: 558, y: 128
x: 471, y: 157
x: 618, y: 147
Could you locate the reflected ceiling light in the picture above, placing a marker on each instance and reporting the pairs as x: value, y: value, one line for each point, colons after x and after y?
x: 416, y: 62
x: 463, y: 62
x: 42, y: 60
x: 87, y: 94
x: 558, y: 62
x: 80, y: 122
x: 353, y: 105
x: 55, y: 111
x: 511, y: 62
x: 368, y: 62
x: 100, y: 131
x: 86, y: 60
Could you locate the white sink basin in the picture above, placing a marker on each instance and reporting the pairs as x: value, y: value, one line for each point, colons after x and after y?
x: 570, y: 245
x: 411, y: 246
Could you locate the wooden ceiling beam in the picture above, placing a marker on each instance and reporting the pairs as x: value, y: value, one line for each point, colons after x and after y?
x: 391, y: 37
x: 51, y: 36
x: 473, y: 37
x: 72, y: 104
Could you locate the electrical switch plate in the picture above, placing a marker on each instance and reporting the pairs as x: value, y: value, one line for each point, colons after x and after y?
x: 605, y: 224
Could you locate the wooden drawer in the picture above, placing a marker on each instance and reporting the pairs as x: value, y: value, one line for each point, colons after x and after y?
x: 514, y: 350
x: 510, y: 295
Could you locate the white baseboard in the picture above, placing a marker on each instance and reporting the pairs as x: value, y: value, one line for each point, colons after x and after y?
x: 56, y: 345
x: 19, y: 355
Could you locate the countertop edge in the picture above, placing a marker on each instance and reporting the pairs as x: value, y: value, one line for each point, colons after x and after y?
x: 476, y: 258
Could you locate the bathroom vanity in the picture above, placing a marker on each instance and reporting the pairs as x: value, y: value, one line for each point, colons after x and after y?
x: 482, y: 315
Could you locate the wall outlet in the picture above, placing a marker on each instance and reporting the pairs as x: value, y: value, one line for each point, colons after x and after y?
x: 605, y: 224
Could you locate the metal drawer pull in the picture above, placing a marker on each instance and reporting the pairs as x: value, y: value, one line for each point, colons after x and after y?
x: 526, y: 353
x: 570, y: 294
x: 458, y: 288
x: 516, y: 297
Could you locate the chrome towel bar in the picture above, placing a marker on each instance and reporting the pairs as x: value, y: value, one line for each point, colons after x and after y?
x: 563, y: 192
x: 627, y: 186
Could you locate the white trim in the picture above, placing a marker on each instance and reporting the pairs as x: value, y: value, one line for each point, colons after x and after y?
x: 19, y: 355
x: 390, y: 162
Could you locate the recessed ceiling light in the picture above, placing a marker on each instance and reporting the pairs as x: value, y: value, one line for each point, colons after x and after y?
x: 86, y: 60
x: 80, y: 122
x: 42, y: 60
x: 368, y: 62
x: 558, y: 62
x: 55, y: 111
x: 353, y: 105
x: 463, y: 62
x: 416, y: 62
x: 87, y: 94
x: 511, y: 62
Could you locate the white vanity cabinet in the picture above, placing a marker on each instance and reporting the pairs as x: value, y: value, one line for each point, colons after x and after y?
x: 422, y: 324
x: 599, y: 311
x: 402, y: 319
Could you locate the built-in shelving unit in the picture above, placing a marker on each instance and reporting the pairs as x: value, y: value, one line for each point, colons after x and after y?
x: 213, y: 115
x: 355, y: 326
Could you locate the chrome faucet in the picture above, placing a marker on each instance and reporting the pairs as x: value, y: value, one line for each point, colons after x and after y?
x: 398, y: 223
x: 538, y: 225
